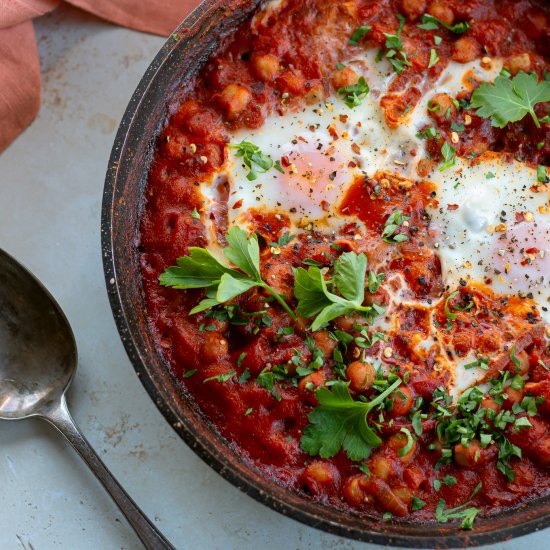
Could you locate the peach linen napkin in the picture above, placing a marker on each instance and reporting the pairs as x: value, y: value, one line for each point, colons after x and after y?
x: 19, y: 65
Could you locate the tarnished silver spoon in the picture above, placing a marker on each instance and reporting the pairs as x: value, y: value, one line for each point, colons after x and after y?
x: 38, y: 359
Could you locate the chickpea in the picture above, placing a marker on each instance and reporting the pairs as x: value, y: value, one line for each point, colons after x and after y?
x: 344, y: 77
x: 354, y: 491
x: 473, y: 454
x: 465, y: 49
x: 489, y: 403
x: 320, y: 475
x: 215, y: 347
x: 345, y: 323
x: 519, y: 63
x: 381, y: 467
x: 397, y: 442
x: 404, y: 494
x: 361, y: 375
x: 324, y: 342
x: 440, y: 105
x: 266, y: 66
x: 321, y: 472
x: 442, y: 11
x: 234, y: 99
x: 308, y: 384
x: 413, y: 9
x: 514, y: 396
x: 402, y: 401
x: 315, y: 94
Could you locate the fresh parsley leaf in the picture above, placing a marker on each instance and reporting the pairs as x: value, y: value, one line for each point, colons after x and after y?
x: 354, y: 93
x: 437, y: 484
x: 359, y: 34
x: 509, y: 100
x: 254, y: 159
x: 315, y: 299
x: 339, y: 422
x: 417, y: 423
x: 248, y: 411
x: 430, y: 23
x: 200, y: 269
x: 392, y: 224
x: 449, y: 156
x: 195, y: 214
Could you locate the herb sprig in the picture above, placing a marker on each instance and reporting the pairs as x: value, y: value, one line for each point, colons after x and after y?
x: 317, y: 296
x: 390, y: 232
x: 509, y: 100
x: 200, y: 269
x: 255, y: 160
x: 340, y: 422
x: 467, y: 515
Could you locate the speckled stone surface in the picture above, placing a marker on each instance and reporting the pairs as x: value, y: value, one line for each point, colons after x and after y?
x: 51, y: 182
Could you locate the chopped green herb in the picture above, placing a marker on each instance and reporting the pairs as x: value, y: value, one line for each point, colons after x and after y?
x: 221, y: 377
x: 434, y: 58
x: 354, y: 93
x: 374, y: 281
x: 542, y: 174
x: 359, y: 34
x: 437, y: 40
x: 449, y: 481
x: 189, y: 373
x: 489, y: 175
x: 391, y: 226
x: 417, y: 504
x: 409, y: 445
x: 430, y: 23
x: 195, y: 214
x: 449, y: 156
x: 248, y: 411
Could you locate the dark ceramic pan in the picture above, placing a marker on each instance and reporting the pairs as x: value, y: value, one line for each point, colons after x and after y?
x: 182, y: 55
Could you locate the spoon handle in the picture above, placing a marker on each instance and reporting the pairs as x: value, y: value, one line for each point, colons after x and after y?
x: 60, y: 417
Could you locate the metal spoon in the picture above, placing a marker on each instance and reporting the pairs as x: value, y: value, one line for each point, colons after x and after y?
x: 38, y: 359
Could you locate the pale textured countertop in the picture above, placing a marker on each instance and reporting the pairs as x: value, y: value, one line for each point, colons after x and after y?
x: 51, y: 183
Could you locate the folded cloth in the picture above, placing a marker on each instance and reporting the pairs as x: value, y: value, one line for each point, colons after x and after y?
x: 19, y: 66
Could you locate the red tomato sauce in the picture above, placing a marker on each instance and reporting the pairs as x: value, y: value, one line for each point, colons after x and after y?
x: 288, y: 60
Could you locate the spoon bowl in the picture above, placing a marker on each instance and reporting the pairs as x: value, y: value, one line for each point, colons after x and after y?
x: 38, y: 354
x: 38, y: 359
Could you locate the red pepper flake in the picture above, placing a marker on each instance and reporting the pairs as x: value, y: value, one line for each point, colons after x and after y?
x: 285, y: 163
x: 352, y: 164
x: 325, y: 205
x: 355, y: 148
x: 452, y: 207
x: 344, y: 118
x: 519, y: 217
x: 532, y: 250
x: 238, y: 204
